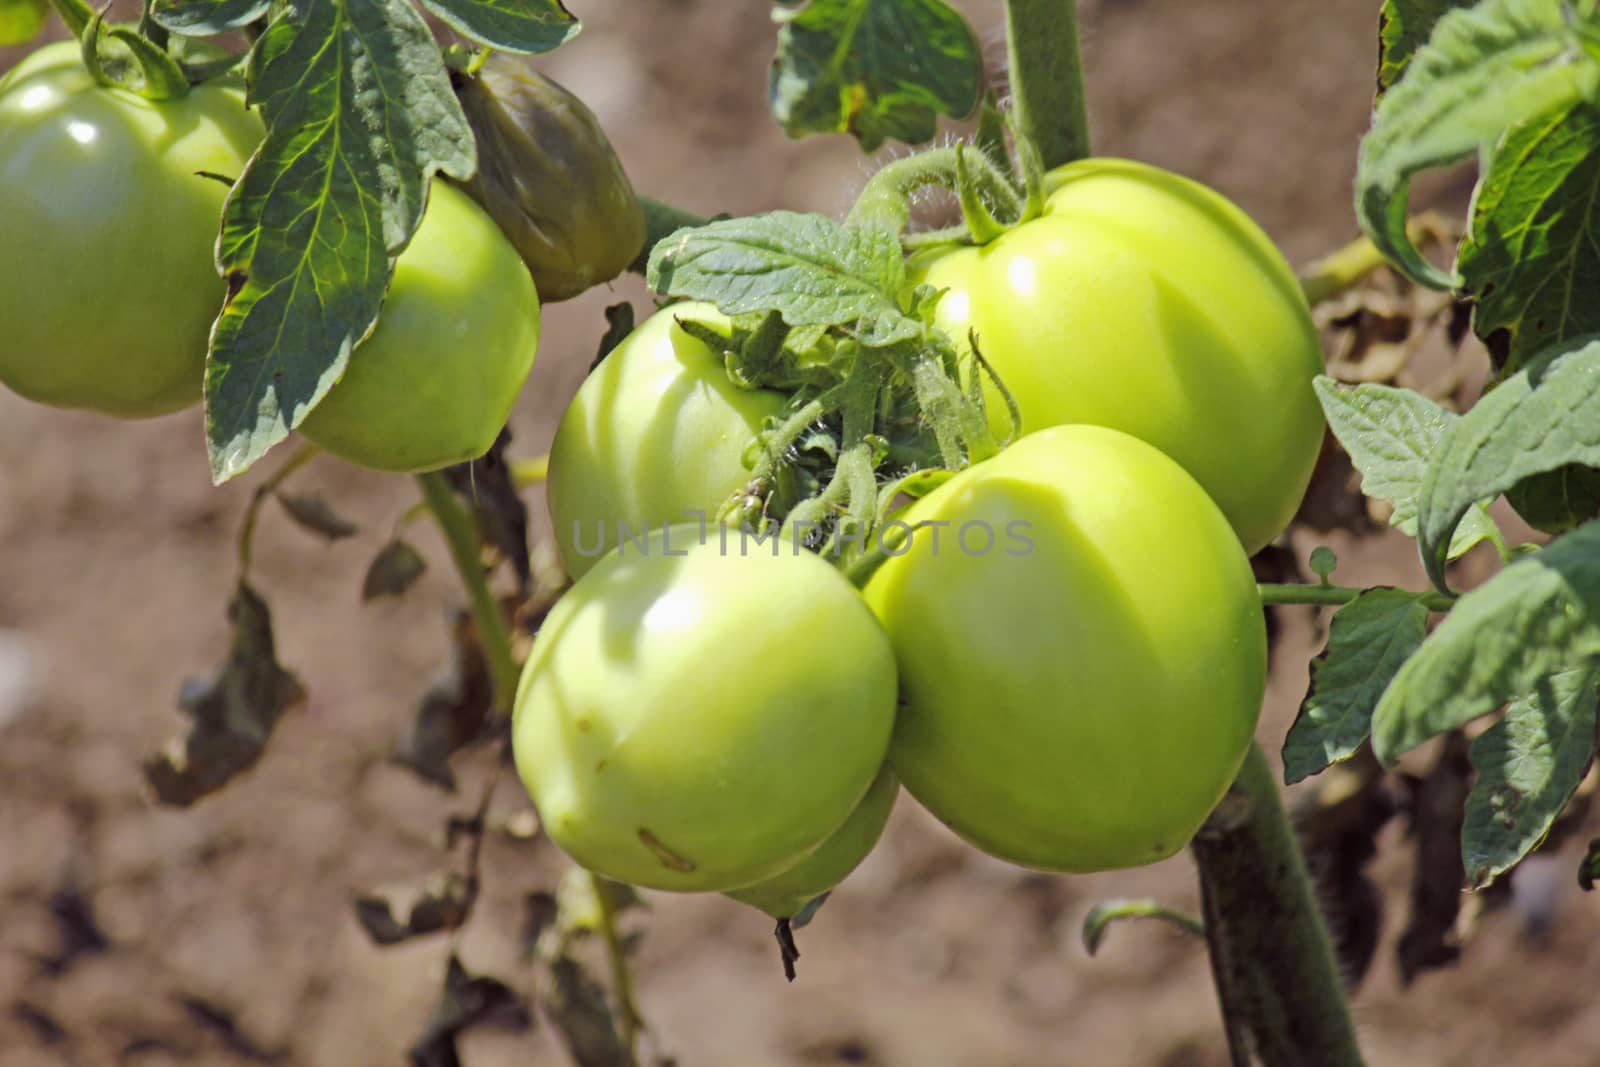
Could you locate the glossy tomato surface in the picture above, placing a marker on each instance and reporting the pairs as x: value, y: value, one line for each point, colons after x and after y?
x: 1082, y: 652
x: 656, y: 435
x: 703, y: 720
x: 785, y: 895
x: 437, y: 378
x: 1146, y: 302
x: 108, y: 278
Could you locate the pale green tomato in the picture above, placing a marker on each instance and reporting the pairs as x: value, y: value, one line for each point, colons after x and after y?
x: 1082, y: 652
x: 694, y: 718
x: 1148, y: 303
x: 435, y: 382
x: 785, y: 895
x: 108, y: 232
x: 656, y: 435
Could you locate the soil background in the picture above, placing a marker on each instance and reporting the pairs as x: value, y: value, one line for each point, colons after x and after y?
x: 224, y: 934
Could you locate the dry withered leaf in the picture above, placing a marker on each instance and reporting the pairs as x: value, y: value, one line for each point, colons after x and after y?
x: 577, y: 1005
x: 1435, y: 810
x: 393, y: 914
x: 454, y: 711
x: 312, y: 512
x: 395, y: 569
x: 1337, y: 821
x: 234, y: 714
x: 490, y: 491
x: 467, y: 1001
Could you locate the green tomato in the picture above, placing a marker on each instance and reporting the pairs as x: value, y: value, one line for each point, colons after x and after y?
x: 108, y: 282
x: 1082, y: 652
x: 694, y: 717
x: 786, y: 895
x: 1148, y: 303
x: 435, y: 382
x: 656, y: 435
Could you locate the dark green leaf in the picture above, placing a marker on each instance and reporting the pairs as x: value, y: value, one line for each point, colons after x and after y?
x: 1534, y: 247
x: 1544, y: 417
x: 1529, y: 764
x: 1368, y: 640
x: 1502, y: 641
x: 874, y: 69
x: 1557, y: 500
x: 203, y: 18
x: 360, y: 114
x: 808, y: 268
x: 21, y: 20
x: 1403, y: 27
x: 1391, y: 435
x: 1483, y: 70
x: 526, y: 26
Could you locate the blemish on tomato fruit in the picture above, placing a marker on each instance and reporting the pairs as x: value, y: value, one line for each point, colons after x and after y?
x: 668, y: 858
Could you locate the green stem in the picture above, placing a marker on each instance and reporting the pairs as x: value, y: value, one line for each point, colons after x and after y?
x: 1276, y: 974
x: 1047, y: 78
x: 887, y: 196
x: 1336, y: 595
x: 621, y: 976
x: 461, y: 534
x: 660, y: 221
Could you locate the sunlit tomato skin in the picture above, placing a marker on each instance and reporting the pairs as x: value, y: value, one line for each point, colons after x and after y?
x: 108, y: 231
x: 785, y: 895
x: 1079, y: 696
x: 656, y: 435
x: 704, y: 720
x: 1143, y: 301
x: 435, y: 382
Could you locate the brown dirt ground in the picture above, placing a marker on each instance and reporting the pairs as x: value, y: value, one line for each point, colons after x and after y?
x: 116, y: 562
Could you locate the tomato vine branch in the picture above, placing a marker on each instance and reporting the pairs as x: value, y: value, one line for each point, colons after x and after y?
x: 461, y: 535
x: 1337, y: 595
x: 629, y: 1018
x: 1046, y: 74
x: 1274, y: 967
x: 252, y: 512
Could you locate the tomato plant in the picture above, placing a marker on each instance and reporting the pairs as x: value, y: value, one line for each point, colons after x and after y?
x: 110, y: 307
x: 1053, y: 637
x: 1145, y: 302
x: 676, y: 732
x: 657, y: 434
x: 1085, y: 625
x: 435, y: 382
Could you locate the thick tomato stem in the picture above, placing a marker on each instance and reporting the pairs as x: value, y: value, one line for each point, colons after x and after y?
x: 1276, y: 974
x: 1046, y: 74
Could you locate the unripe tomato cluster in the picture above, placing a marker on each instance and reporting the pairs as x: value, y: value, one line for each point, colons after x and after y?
x: 109, y: 285
x: 1072, y: 627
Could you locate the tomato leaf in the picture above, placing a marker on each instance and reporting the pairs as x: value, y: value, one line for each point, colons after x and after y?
x: 1505, y: 640
x: 467, y: 1001
x: 1403, y: 27
x: 203, y: 18
x: 360, y: 114
x: 1483, y: 70
x: 808, y: 268
x: 1528, y: 766
x: 21, y: 20
x: 1534, y: 244
x: 525, y: 26
x: 874, y: 69
x: 1542, y: 418
x: 395, y: 569
x: 1368, y: 640
x: 1391, y: 434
